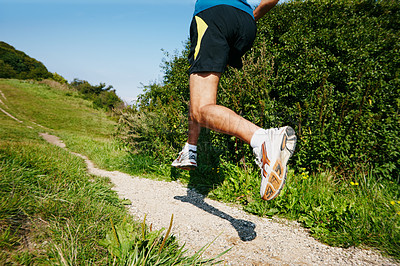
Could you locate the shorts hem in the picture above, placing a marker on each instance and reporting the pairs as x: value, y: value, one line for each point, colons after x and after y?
x: 207, y: 69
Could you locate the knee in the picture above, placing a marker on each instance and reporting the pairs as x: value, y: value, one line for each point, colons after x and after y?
x: 198, y: 114
x: 195, y: 114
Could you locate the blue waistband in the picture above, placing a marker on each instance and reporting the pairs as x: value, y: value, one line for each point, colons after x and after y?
x: 240, y: 4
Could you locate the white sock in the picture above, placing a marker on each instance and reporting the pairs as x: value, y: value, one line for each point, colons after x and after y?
x: 190, y: 147
x: 258, y: 138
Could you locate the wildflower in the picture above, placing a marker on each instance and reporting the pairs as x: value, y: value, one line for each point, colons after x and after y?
x: 392, y: 202
x: 398, y: 202
x: 304, y: 175
x: 354, y: 183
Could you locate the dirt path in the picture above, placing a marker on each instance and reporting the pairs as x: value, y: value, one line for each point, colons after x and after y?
x: 199, y: 221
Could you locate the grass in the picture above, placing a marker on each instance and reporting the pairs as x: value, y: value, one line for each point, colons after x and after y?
x: 50, y: 203
x: 51, y: 210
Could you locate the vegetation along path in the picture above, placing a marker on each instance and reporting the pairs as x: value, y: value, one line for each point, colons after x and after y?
x: 199, y: 221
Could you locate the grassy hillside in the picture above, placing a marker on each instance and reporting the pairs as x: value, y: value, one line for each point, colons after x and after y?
x: 51, y: 210
x: 16, y: 64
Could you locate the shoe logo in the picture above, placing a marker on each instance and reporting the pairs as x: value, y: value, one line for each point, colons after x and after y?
x: 264, y: 159
x: 192, y: 156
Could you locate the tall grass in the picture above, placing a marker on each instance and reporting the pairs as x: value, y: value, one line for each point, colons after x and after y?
x: 49, y: 204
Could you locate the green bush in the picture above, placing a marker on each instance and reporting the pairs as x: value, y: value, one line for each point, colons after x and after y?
x: 102, y: 96
x: 336, y: 79
x: 329, y: 69
x: 60, y: 79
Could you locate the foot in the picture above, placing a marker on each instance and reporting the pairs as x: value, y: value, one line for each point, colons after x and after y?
x: 272, y: 157
x: 186, y: 159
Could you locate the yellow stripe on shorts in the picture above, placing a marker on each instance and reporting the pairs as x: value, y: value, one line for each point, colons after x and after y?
x: 201, y: 30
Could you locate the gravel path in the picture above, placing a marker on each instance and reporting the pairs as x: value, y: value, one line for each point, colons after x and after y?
x: 199, y: 221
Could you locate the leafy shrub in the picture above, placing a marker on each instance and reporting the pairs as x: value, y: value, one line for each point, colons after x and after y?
x: 336, y: 79
x: 60, y: 79
x: 102, y: 96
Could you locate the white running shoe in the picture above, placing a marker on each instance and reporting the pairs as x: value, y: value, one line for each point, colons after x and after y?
x: 272, y: 157
x: 186, y: 159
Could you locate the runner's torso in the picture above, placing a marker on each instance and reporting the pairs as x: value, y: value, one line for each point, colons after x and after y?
x: 240, y: 4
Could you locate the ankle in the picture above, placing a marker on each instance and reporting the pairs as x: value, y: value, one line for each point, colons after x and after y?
x: 258, y: 138
x: 190, y: 147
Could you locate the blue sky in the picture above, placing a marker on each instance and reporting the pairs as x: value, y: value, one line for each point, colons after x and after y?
x: 117, y: 42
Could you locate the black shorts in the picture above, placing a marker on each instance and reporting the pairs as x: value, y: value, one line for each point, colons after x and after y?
x: 220, y: 36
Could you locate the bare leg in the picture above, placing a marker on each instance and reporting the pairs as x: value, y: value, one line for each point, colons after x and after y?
x: 204, y: 112
x: 194, y: 131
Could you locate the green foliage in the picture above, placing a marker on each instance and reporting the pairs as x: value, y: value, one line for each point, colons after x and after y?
x: 102, y: 96
x: 60, y: 79
x: 47, y: 198
x: 16, y: 64
x: 85, y: 87
x: 336, y: 79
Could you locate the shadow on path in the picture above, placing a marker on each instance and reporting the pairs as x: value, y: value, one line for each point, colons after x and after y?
x: 245, y: 229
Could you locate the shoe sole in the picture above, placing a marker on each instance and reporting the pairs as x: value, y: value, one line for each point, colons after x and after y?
x: 187, y: 167
x: 277, y: 177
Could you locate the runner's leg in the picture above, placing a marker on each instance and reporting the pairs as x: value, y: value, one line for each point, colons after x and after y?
x: 205, y: 112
